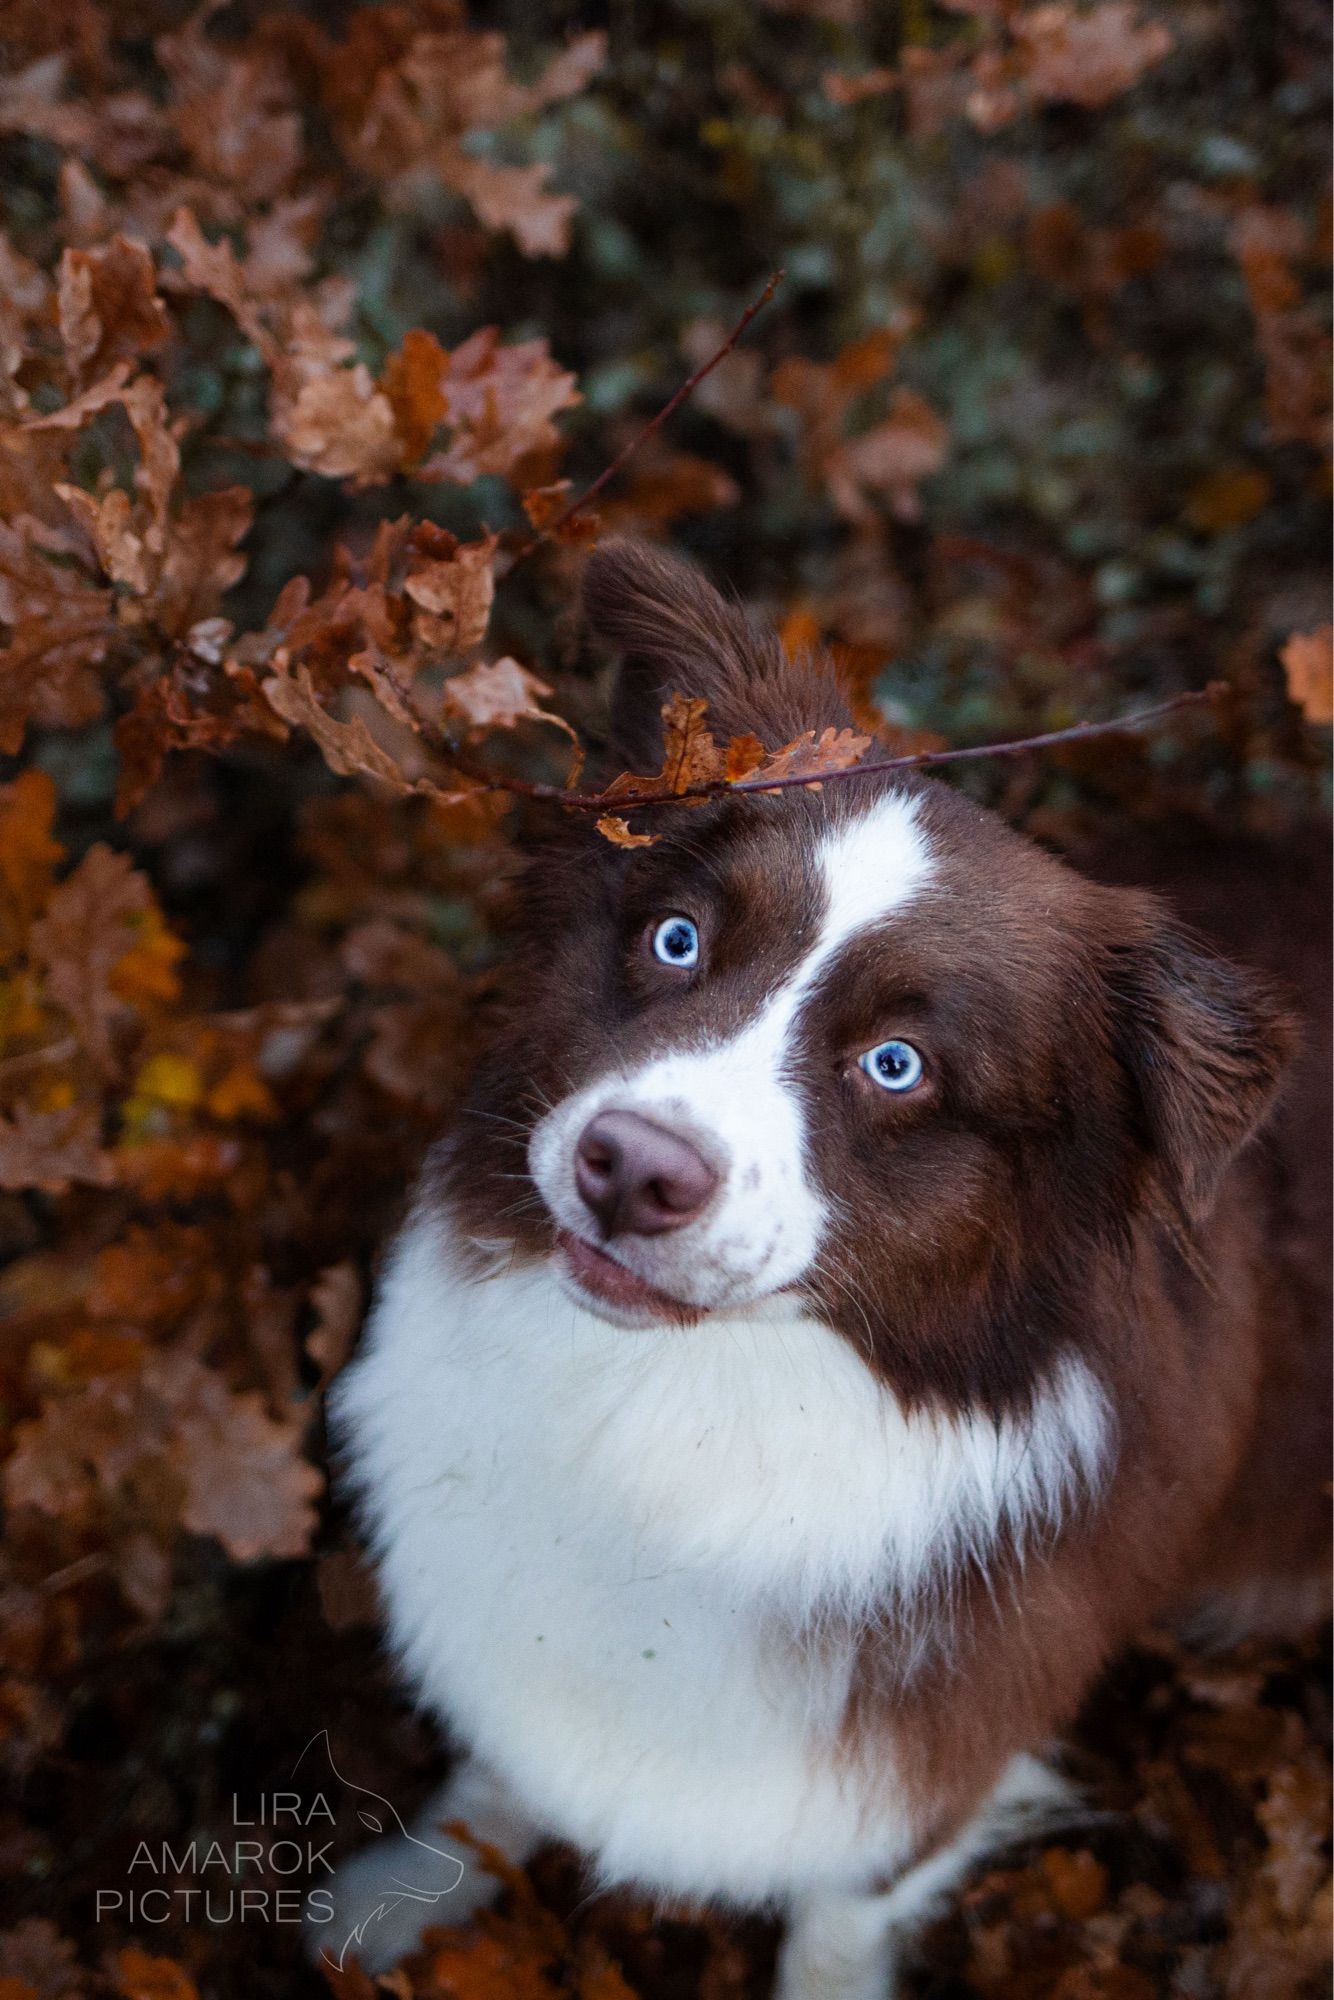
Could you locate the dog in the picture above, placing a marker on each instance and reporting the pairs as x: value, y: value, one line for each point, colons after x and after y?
x: 852, y: 1300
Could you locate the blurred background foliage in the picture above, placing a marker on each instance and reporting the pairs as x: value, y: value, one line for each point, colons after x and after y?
x: 1034, y: 429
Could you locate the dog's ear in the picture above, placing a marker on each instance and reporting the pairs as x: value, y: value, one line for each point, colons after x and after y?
x: 1206, y: 1044
x: 676, y: 634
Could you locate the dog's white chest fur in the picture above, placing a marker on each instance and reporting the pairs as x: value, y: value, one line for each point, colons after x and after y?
x: 624, y: 1566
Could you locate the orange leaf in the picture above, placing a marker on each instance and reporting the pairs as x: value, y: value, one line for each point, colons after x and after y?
x: 691, y: 757
x: 140, y: 1977
x: 831, y: 750
x: 411, y: 379
x: 617, y: 831
x: 744, y: 755
x: 1308, y: 662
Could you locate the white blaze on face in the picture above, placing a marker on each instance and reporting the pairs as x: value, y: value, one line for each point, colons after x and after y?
x: 735, y: 1098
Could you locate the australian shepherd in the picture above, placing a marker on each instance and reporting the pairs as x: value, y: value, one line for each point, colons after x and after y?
x: 868, y: 1279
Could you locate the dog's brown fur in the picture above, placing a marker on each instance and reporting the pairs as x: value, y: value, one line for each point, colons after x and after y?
x: 1082, y: 1175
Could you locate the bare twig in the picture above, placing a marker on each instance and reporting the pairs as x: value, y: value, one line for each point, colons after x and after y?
x: 673, y: 403
x: 1077, y: 732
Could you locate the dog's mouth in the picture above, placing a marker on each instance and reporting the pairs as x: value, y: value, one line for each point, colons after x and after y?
x: 617, y: 1293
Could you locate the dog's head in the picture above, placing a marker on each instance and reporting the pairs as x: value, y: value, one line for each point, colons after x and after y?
x: 863, y: 1044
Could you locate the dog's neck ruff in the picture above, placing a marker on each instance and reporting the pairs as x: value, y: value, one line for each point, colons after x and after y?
x: 754, y: 1450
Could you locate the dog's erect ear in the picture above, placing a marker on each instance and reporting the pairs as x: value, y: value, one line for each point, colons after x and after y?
x: 1206, y: 1043
x: 676, y: 634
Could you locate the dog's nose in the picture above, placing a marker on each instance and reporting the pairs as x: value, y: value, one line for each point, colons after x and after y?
x: 638, y: 1178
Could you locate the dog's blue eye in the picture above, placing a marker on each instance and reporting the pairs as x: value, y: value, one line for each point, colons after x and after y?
x: 676, y: 942
x: 893, y: 1065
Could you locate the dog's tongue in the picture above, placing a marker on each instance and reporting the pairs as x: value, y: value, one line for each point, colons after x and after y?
x: 606, y: 1279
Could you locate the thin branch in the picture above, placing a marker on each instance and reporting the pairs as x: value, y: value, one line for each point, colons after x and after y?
x: 1077, y: 732
x: 669, y: 408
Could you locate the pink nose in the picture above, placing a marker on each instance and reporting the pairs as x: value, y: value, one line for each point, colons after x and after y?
x: 638, y: 1178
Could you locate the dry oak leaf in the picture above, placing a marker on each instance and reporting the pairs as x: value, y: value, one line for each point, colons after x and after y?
x: 500, y: 402
x: 807, y: 754
x: 29, y: 856
x: 238, y: 1473
x: 412, y: 380
x: 1308, y: 662
x: 100, y: 925
x: 60, y: 628
x: 340, y: 424
x: 457, y: 589
x: 496, y: 696
x: 108, y: 305
x: 347, y: 747
x: 233, y: 111
x: 51, y: 1149
x: 617, y: 830
x: 908, y: 446
x: 512, y: 198
x: 335, y: 1298
x: 214, y: 268
x: 744, y: 755
x: 1087, y: 58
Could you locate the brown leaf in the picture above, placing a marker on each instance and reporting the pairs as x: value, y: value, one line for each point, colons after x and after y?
x: 50, y: 1149
x: 1087, y: 58
x: 336, y: 1299
x: 238, y: 1473
x: 496, y: 696
x: 89, y: 928
x: 1308, y: 662
x: 29, y: 855
x: 617, y: 831
x: 412, y: 380
x: 512, y: 198
x: 342, y: 425
x: 456, y: 589
x: 744, y: 755
x: 831, y: 750
x: 1078, y: 1882
x: 214, y: 268
x: 109, y: 308
x: 891, y: 458
x: 347, y: 747
x: 1295, y: 1816
x: 500, y: 404
x: 691, y: 757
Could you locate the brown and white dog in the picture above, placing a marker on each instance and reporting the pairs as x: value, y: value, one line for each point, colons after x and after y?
x: 849, y: 1305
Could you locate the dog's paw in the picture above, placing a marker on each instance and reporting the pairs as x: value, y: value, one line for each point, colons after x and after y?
x: 379, y: 1902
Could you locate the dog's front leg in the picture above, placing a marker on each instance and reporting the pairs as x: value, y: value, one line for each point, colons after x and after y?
x: 844, y: 1945
x: 381, y: 1900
